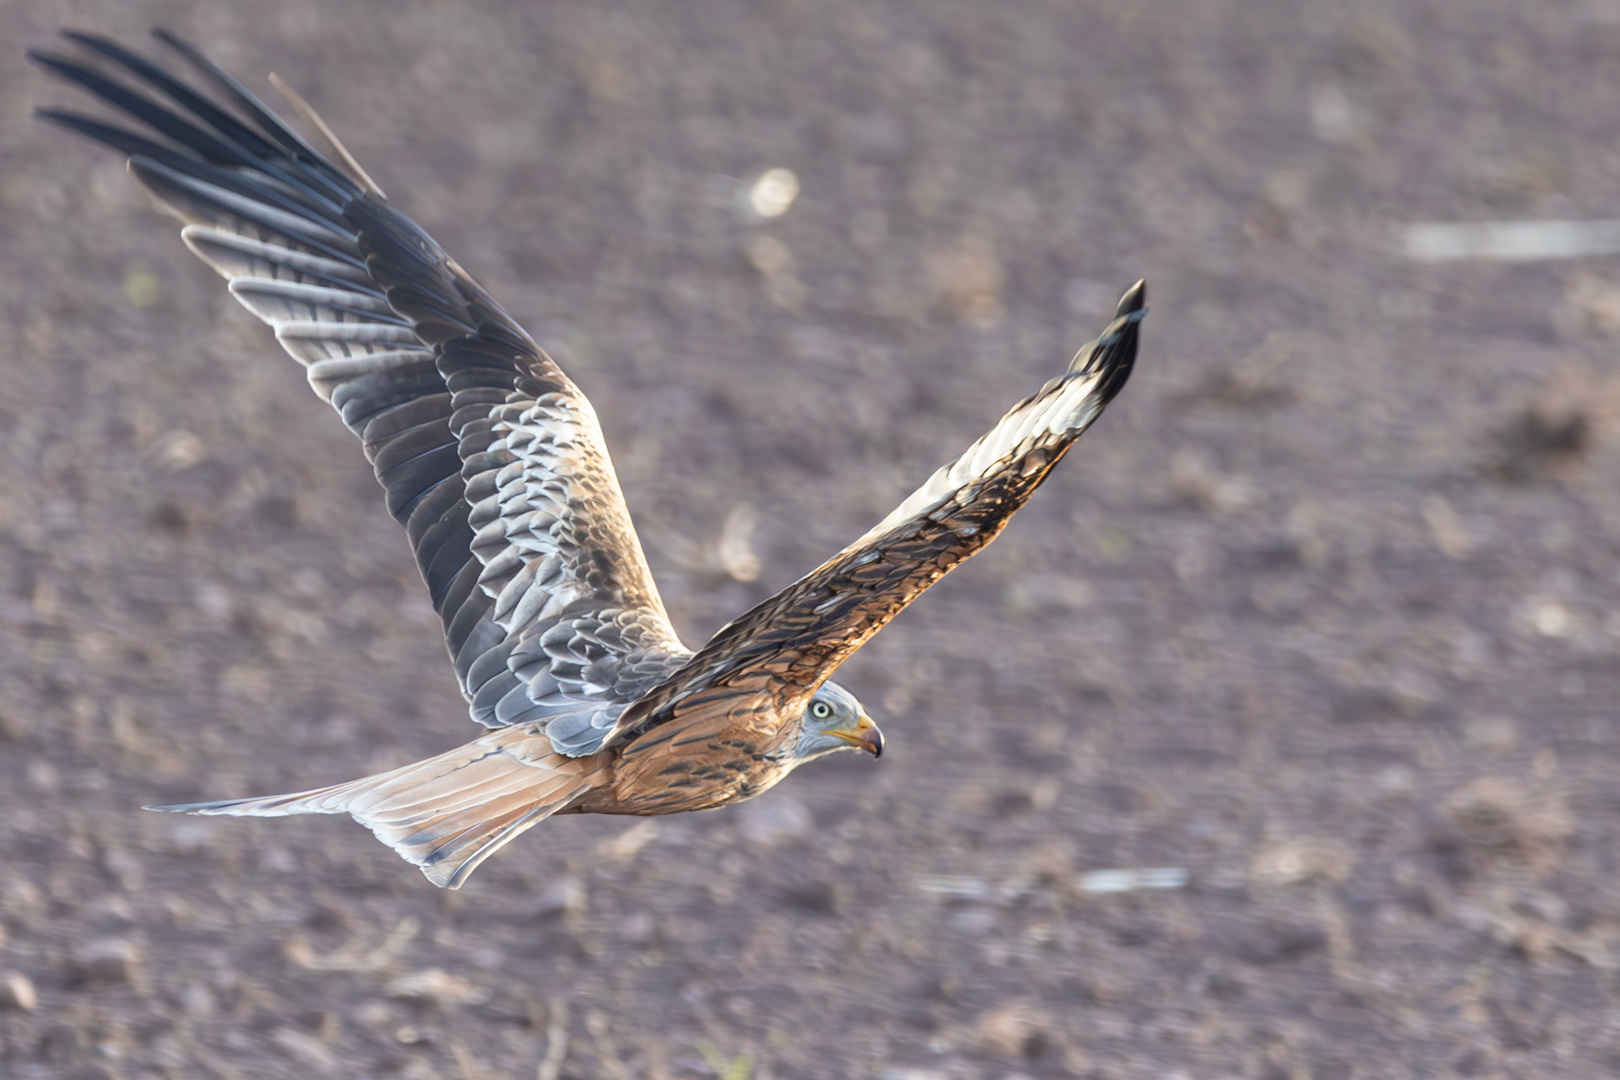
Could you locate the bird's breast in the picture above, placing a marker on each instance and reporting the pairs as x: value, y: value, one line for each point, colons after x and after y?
x: 712, y: 750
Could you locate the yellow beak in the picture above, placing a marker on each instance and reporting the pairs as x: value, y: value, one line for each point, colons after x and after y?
x: 866, y: 736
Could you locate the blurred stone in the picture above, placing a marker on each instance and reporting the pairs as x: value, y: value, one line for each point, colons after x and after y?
x: 968, y: 278
x: 1510, y: 241
x: 181, y: 450
x: 355, y: 955
x: 1498, y: 734
x: 1498, y: 816
x: 772, y: 258
x: 411, y: 1035
x: 1292, y: 862
x: 773, y: 192
x: 1549, y: 617
x: 17, y: 992
x: 630, y: 842
x: 735, y: 548
x: 1131, y: 880
x: 21, y: 897
x: 436, y: 986
x: 638, y: 928
x: 59, y: 1040
x: 375, y: 1015
x: 1015, y: 1030
x: 190, y: 836
x: 1595, y: 300
x: 88, y: 1070
x: 142, y: 289
x: 967, y: 888
x: 109, y: 962
x: 1546, y: 440
x: 769, y: 821
x: 563, y: 896
x: 198, y: 1000
x: 42, y: 775
x: 1395, y: 780
x: 817, y: 898
x: 128, y: 870
x: 1333, y: 118
x: 1090, y: 299
x: 307, y: 1050
x: 1275, y: 943
x: 1194, y: 476
x: 974, y: 920
x: 1451, y: 535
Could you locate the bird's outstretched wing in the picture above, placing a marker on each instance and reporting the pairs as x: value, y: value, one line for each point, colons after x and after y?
x: 791, y: 643
x: 490, y: 457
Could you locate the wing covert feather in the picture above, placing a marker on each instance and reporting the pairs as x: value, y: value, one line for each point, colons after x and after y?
x: 489, y: 456
x: 791, y: 643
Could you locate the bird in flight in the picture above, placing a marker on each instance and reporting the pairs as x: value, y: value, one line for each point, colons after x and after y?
x: 493, y: 461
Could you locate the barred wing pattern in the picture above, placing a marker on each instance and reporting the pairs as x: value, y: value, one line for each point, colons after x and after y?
x: 791, y: 643
x: 489, y: 456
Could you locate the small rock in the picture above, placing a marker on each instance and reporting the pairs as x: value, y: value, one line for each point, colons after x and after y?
x: 562, y: 897
x: 1276, y: 943
x: 630, y: 842
x: 1292, y: 862
x: 974, y: 920
x: 1103, y: 882
x: 17, y: 992
x: 437, y: 986
x: 1015, y: 1030
x: 771, y: 821
x: 817, y: 898
x: 189, y: 836
x: 59, y: 1041
x: 1498, y: 734
x: 375, y: 1016
x: 109, y: 962
x: 773, y: 192
x: 307, y: 1049
x: 87, y: 1070
x: 1195, y: 476
x: 198, y: 1001
x: 638, y: 928
x: 1500, y: 817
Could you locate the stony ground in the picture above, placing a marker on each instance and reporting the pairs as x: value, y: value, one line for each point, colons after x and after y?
x: 1323, y: 612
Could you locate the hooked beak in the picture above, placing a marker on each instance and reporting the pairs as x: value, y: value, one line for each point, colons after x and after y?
x: 866, y: 736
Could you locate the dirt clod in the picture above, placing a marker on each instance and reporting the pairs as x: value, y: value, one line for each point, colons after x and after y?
x: 17, y: 992
x: 108, y: 962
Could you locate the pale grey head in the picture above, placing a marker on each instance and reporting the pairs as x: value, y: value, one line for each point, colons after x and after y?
x: 834, y: 720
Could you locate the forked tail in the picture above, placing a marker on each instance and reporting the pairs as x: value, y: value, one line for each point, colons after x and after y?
x: 449, y: 813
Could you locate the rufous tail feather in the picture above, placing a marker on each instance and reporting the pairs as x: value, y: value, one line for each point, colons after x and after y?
x: 449, y: 813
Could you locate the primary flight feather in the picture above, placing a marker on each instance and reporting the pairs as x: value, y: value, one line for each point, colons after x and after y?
x: 494, y: 463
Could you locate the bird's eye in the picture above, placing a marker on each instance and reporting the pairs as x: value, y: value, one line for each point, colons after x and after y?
x: 821, y: 710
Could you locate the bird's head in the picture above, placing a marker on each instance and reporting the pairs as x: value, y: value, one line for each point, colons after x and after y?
x: 834, y: 720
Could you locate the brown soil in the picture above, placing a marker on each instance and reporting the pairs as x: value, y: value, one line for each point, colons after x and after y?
x: 1323, y: 611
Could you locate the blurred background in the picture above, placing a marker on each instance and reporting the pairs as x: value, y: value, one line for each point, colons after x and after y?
x: 1277, y: 738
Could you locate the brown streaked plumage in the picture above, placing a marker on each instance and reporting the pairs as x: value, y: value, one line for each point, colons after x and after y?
x: 493, y: 461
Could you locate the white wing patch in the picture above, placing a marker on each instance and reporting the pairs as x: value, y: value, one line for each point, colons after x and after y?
x: 579, y: 639
x: 1066, y: 404
x: 337, y: 334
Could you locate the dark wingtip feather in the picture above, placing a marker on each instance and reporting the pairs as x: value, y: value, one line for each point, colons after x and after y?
x: 1114, y: 351
x: 271, y: 124
x: 1134, y: 300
